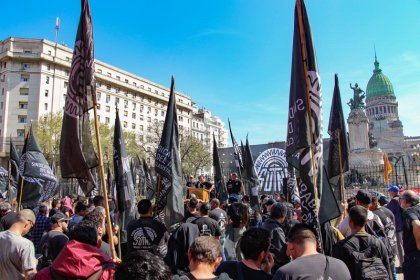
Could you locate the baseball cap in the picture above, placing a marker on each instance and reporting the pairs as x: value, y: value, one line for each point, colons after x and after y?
x: 364, y: 196
x: 58, y: 217
x: 394, y: 189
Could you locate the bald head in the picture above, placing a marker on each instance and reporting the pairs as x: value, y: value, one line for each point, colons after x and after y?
x: 214, y: 203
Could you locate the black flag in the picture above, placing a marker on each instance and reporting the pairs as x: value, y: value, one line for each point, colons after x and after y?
x: 3, y: 182
x: 110, y: 183
x: 14, y: 169
x: 304, y: 130
x: 250, y: 179
x: 338, y: 136
x: 236, y: 150
x: 40, y: 183
x: 169, y: 193
x: 123, y: 179
x: 150, y: 183
x: 77, y: 155
x: 219, y: 181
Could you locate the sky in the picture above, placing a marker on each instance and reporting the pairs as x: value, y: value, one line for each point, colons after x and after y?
x: 234, y: 57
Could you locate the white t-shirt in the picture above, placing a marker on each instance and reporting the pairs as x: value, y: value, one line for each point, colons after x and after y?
x: 344, y: 226
x: 17, y: 255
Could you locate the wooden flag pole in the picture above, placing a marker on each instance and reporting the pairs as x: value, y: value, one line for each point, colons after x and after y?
x: 158, y: 187
x: 103, y: 183
x: 9, y: 193
x: 308, y: 100
x: 20, y: 195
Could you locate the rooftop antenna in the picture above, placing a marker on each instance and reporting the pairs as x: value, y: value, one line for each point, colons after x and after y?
x: 57, y: 29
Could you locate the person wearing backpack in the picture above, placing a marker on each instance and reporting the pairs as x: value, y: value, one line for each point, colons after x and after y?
x: 411, y: 235
x: 365, y: 255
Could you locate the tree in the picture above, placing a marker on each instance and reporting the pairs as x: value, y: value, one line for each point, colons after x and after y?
x: 48, y: 131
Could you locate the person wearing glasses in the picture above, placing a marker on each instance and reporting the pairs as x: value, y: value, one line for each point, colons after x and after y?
x: 17, y: 254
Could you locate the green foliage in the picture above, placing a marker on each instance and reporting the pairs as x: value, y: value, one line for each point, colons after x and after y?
x: 48, y: 132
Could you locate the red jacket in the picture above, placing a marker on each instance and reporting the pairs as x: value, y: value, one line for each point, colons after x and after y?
x: 78, y: 260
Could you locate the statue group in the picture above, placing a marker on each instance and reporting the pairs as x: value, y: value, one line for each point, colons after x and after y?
x: 358, y: 95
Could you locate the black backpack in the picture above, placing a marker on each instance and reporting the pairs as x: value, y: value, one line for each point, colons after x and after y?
x: 368, y: 266
x: 374, y: 229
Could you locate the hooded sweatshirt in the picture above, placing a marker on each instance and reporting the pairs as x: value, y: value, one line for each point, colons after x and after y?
x: 79, y: 260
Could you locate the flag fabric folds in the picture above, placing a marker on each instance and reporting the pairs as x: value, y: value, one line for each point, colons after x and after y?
x: 169, y: 192
x: 387, y: 168
x: 150, y: 183
x: 219, y: 182
x: 3, y: 182
x: 14, y: 169
x: 39, y: 183
x: 338, y: 150
x: 77, y: 155
x: 123, y: 179
x: 250, y: 180
x: 236, y: 150
x: 304, y: 129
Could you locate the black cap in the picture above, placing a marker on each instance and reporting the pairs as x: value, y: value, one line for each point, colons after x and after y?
x: 58, y: 217
x: 364, y: 197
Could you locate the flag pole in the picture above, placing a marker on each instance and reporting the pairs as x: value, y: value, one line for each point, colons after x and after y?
x: 158, y: 187
x: 9, y: 193
x: 308, y: 102
x: 102, y: 172
x: 20, y: 195
x: 341, y: 166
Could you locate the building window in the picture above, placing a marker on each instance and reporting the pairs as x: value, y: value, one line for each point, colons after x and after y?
x: 49, y: 52
x: 46, y: 106
x: 162, y: 113
x: 126, y: 81
x: 67, y: 58
x: 156, y: 91
x: 148, y: 110
x: 108, y: 87
x: 1, y: 105
x: 98, y: 106
x: 141, y: 108
x: 141, y: 127
x: 133, y: 115
x: 117, y: 90
x: 134, y: 106
x: 108, y: 109
x: 125, y: 103
x: 117, y: 100
x: 25, y: 66
x: 66, y: 84
x: 125, y: 113
x: 109, y: 74
x: 46, y: 93
x: 21, y: 133
x: 2, y: 91
x: 98, y: 96
x: 125, y: 124
x: 47, y: 80
x: 27, y: 51
x: 156, y: 112
x: 66, y: 72
x: 133, y: 126
x: 149, y: 119
x: 141, y: 117
x: 108, y: 98
x: 24, y: 91
x: 48, y: 67
x: 22, y: 118
x: 149, y: 89
x: 118, y: 78
x: 107, y: 120
x: 23, y: 105
x: 24, y: 77
x: 1, y: 119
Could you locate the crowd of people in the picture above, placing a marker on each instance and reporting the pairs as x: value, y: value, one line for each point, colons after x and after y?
x: 67, y: 239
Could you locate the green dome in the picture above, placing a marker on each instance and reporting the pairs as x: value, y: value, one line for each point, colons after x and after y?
x: 379, y: 84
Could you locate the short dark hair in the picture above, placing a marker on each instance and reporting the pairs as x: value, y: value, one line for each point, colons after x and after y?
x: 142, y: 265
x: 96, y: 217
x: 85, y: 232
x: 193, y: 203
x: 239, y: 214
x: 300, y: 233
x: 359, y: 215
x: 410, y: 197
x: 253, y: 242
x: 98, y: 200
x: 42, y: 209
x: 205, y: 208
x: 205, y: 249
x: 79, y: 207
x: 144, y: 206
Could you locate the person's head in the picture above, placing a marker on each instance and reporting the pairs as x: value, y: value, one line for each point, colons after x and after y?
x: 191, y: 178
x: 269, y: 203
x: 5, y: 208
x: 205, y: 250
x: 234, y: 176
x: 255, y: 244
x: 363, y: 198
x: 301, y: 239
x: 98, y: 201
x: 25, y: 221
x: 204, y: 209
x: 358, y: 217
x: 246, y: 199
x: 56, y: 203
x: 214, y: 203
x: 238, y: 214
x: 375, y: 203
x: 59, y: 222
x: 202, y: 179
x: 142, y: 265
x: 97, y: 216
x: 81, y: 209
x: 276, y: 197
x: 43, y: 210
x: 278, y: 212
x: 351, y: 202
x: 409, y: 199
x: 144, y: 207
x: 85, y: 232
x: 192, y: 204
x: 393, y: 191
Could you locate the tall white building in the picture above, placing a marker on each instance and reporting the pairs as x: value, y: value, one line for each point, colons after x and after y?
x: 34, y: 78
